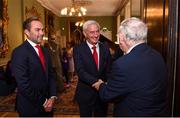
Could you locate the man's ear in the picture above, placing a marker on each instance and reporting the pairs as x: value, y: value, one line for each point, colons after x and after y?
x: 84, y: 33
x: 121, y: 37
x: 26, y: 32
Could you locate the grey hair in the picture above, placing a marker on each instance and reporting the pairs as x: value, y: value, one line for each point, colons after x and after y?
x: 134, y: 29
x: 90, y: 22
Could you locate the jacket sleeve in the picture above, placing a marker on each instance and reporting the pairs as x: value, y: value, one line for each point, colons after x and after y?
x: 117, y: 85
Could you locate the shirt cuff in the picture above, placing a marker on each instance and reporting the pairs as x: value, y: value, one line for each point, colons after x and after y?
x: 54, y: 97
x: 45, y: 102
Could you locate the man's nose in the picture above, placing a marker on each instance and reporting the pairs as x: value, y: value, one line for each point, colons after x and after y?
x: 96, y: 34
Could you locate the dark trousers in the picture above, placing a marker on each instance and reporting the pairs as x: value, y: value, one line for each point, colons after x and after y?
x: 41, y: 113
x: 96, y: 110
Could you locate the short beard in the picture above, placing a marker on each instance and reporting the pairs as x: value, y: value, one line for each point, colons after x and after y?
x: 37, y: 41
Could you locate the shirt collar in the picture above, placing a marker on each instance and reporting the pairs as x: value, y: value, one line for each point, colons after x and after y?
x: 32, y: 43
x: 129, y: 50
x: 90, y: 45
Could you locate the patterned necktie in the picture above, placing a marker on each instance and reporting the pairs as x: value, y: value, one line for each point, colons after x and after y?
x: 41, y: 56
x: 95, y: 55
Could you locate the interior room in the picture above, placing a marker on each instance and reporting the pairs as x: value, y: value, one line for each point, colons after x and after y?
x: 64, y: 20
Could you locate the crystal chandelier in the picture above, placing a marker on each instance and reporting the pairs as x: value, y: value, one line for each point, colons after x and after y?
x: 76, y: 8
x: 74, y: 11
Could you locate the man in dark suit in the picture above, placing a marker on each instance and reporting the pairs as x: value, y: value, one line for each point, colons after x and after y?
x: 36, y: 88
x: 137, y: 82
x: 89, y: 70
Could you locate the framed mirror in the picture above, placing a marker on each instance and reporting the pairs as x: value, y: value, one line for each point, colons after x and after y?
x: 4, y: 44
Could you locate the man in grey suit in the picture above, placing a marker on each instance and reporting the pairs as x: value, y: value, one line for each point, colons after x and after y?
x: 137, y: 83
x: 92, y: 60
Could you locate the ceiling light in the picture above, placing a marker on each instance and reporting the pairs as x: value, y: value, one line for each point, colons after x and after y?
x: 79, y: 23
x: 74, y: 11
x: 76, y: 8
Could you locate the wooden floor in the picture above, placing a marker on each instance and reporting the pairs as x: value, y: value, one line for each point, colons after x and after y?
x: 14, y: 114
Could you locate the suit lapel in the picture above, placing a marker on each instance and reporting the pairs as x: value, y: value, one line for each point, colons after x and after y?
x: 89, y: 54
x: 31, y: 49
x: 100, y: 56
x: 36, y: 57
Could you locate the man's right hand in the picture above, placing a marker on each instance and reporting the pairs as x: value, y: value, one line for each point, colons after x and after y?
x: 97, y: 84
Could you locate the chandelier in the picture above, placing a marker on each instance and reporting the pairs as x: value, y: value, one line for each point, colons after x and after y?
x: 79, y: 23
x: 76, y: 8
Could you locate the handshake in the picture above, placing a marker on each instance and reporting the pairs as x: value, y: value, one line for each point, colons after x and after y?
x: 97, y: 84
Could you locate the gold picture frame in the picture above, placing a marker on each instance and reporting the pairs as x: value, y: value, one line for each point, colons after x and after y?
x: 4, y: 20
x: 30, y: 12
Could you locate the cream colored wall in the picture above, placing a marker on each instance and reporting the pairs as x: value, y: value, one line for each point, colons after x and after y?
x: 15, y: 24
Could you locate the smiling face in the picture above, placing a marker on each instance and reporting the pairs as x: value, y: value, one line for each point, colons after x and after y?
x: 92, y: 34
x: 35, y: 33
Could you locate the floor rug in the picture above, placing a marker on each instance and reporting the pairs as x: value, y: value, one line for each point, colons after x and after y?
x: 65, y: 103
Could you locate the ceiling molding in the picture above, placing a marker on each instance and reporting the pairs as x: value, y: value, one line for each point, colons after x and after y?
x: 122, y: 4
x: 96, y: 8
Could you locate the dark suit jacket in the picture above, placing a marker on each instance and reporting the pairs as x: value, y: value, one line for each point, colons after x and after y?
x: 34, y: 84
x: 88, y: 73
x: 137, y: 83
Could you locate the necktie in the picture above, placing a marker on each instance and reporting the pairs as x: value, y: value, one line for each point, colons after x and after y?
x: 41, y: 56
x: 95, y: 55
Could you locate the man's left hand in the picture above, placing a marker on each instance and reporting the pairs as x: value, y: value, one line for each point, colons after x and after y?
x: 49, y: 105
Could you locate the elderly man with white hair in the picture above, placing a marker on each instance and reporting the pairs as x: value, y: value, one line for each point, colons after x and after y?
x: 137, y: 82
x: 92, y: 61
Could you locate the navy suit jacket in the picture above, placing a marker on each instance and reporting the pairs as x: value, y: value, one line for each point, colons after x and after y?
x: 34, y: 84
x: 137, y: 83
x: 88, y: 73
